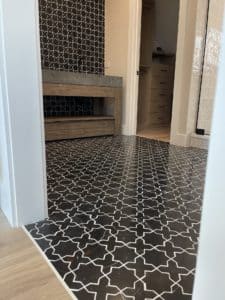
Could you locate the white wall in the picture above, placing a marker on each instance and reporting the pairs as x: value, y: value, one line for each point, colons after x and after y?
x: 116, y: 36
x: 23, y: 112
x: 7, y: 184
x: 210, y: 275
x: 166, y: 23
x: 6, y: 189
x: 211, y: 61
x: 117, y: 15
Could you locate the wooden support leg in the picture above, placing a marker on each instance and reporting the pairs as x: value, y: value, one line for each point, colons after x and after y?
x: 117, y: 111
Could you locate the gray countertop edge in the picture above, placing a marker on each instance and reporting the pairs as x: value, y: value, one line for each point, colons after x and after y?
x: 62, y: 77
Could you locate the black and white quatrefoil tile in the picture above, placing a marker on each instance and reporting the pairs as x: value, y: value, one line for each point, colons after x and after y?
x: 124, y: 216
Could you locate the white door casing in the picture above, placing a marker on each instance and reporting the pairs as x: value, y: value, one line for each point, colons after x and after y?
x: 23, y: 111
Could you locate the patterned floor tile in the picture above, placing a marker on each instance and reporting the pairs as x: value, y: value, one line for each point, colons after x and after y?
x: 124, y: 217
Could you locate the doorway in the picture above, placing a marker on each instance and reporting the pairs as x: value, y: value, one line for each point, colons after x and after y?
x: 159, y: 29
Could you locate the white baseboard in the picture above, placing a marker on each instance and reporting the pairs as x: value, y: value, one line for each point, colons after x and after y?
x: 182, y: 140
x: 127, y: 131
x: 200, y: 141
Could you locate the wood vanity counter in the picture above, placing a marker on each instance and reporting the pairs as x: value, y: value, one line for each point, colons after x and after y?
x: 108, y: 122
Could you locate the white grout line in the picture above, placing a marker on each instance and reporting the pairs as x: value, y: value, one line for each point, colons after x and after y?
x: 50, y: 264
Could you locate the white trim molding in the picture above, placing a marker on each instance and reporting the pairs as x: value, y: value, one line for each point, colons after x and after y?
x: 41, y: 108
x: 176, y: 136
x: 131, y: 97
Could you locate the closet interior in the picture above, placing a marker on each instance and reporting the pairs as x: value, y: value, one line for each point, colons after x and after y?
x: 157, y: 66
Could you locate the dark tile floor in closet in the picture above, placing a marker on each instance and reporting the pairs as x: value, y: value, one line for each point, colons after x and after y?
x: 124, y: 217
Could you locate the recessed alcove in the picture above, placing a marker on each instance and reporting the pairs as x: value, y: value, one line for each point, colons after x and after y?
x: 81, y: 105
x: 69, y: 117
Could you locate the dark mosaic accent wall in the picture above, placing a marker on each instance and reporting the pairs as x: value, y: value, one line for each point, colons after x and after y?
x: 72, y: 35
x: 55, y: 106
x: 72, y: 39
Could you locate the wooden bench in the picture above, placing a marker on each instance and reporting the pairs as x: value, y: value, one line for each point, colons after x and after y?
x: 108, y: 122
